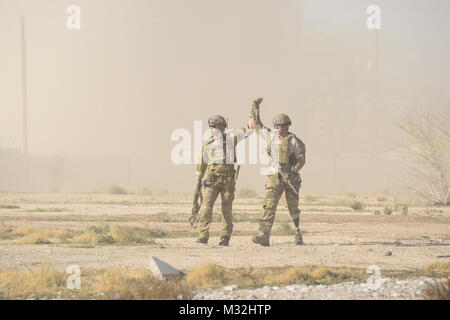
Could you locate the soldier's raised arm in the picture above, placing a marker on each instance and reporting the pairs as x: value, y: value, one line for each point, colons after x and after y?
x: 244, y: 132
x: 255, y: 119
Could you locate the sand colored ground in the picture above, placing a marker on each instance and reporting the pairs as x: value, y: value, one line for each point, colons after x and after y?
x: 334, y: 234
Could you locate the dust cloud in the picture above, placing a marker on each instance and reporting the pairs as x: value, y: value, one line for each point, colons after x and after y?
x: 104, y: 100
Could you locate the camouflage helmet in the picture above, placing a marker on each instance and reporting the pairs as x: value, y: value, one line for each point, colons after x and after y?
x: 218, y: 121
x: 282, y: 119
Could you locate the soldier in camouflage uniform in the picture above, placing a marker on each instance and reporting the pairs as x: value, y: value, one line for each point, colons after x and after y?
x: 287, y: 155
x: 218, y: 174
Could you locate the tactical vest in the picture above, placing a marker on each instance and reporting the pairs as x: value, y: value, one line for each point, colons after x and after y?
x: 221, y: 157
x: 283, y: 149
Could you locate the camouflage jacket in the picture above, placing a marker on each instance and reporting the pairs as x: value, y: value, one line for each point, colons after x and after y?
x: 219, y: 151
x: 286, y: 153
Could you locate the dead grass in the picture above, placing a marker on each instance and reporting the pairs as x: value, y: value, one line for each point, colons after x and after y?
x: 438, y: 269
x: 212, y: 276
x: 114, y: 283
x: 132, y: 235
x: 93, y: 235
x: 91, y: 238
x: 63, y: 234
x: 320, y: 275
x: 44, y: 282
x: 35, y: 238
x: 128, y: 283
x: 137, y: 284
x: 207, y: 275
x: 22, y: 231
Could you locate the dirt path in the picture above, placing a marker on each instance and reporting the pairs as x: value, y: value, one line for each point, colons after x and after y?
x: 184, y: 254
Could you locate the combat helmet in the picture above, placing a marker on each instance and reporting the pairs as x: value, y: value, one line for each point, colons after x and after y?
x: 218, y: 121
x: 282, y: 120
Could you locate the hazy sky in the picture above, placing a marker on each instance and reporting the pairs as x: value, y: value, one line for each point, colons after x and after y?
x: 139, y: 69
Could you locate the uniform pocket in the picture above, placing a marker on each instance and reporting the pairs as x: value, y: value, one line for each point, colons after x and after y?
x: 209, y: 179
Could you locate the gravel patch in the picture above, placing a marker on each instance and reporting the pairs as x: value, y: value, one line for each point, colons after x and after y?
x: 388, y: 289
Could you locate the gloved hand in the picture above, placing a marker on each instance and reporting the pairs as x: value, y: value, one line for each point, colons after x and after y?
x: 257, y: 101
x: 193, y: 219
x: 255, y: 121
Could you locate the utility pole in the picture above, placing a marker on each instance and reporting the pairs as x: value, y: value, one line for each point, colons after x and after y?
x: 24, y: 106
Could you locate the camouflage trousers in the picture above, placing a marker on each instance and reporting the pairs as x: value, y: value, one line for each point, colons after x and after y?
x: 274, y: 190
x: 213, y: 185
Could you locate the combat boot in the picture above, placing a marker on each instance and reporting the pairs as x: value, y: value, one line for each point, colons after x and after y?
x: 262, y: 240
x: 202, y: 240
x: 224, y: 241
x: 298, y: 238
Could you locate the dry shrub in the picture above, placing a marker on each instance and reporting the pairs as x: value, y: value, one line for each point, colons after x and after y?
x: 89, y: 237
x: 35, y: 238
x: 439, y: 290
x: 114, y: 283
x: 134, y: 235
x: 63, y: 234
x: 381, y: 198
x: 100, y: 230
x: 212, y: 275
x: 320, y: 275
x: 207, y: 275
x: 93, y: 235
x: 155, y: 232
x: 23, y: 231
x: 324, y: 275
x: 290, y: 276
x: 116, y: 190
x: 438, y: 269
x: 356, y: 206
x: 248, y: 277
x: 27, y: 235
x: 134, y: 284
x: 23, y: 284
